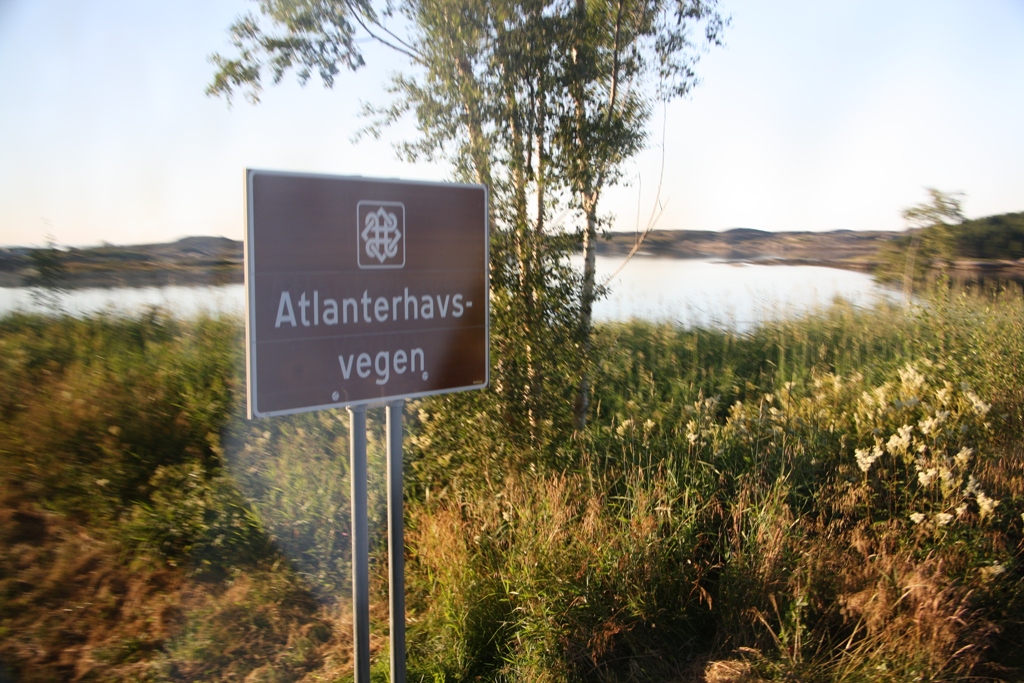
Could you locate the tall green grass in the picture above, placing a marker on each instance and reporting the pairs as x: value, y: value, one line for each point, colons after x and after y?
x: 836, y: 497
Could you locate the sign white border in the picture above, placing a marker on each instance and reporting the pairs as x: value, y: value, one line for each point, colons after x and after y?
x: 250, y: 315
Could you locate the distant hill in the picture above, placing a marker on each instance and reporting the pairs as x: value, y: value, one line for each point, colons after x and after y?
x: 185, y: 250
x: 842, y: 248
x: 191, y: 260
x: 994, y: 237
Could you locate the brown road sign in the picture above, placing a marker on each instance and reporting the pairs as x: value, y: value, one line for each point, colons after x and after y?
x: 362, y: 290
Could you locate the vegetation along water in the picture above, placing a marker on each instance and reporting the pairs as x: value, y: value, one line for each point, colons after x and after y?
x: 836, y: 497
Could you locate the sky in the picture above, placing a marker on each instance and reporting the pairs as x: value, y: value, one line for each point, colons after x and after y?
x: 813, y: 116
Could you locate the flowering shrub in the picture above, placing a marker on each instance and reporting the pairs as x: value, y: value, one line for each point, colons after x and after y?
x: 917, y: 451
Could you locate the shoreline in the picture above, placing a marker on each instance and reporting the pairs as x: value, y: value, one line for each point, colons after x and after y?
x: 212, y: 261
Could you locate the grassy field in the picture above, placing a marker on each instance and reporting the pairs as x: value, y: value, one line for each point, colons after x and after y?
x: 833, y: 498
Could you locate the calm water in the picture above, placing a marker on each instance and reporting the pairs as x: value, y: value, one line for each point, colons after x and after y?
x: 186, y: 301
x: 690, y: 292
x: 728, y: 295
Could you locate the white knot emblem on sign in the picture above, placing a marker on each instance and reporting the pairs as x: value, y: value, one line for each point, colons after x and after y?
x: 381, y: 234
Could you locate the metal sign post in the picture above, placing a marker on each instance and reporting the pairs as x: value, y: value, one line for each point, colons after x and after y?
x: 360, y: 544
x: 364, y: 291
x: 396, y: 542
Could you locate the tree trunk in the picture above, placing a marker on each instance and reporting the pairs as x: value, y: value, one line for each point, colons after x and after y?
x: 581, y: 406
x: 479, y: 146
x: 909, y: 267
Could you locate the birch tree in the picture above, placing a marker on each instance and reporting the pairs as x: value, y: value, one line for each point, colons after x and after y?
x: 540, y: 100
x: 930, y: 224
x: 623, y: 56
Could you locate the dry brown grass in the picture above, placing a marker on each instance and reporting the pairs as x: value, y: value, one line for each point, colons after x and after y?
x: 907, y: 609
x: 842, y: 604
x: 74, y: 610
x: 731, y: 671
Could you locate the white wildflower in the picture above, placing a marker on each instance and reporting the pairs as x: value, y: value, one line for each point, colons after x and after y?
x: 866, y: 458
x: 985, y: 504
x: 944, y: 395
x: 911, y: 379
x: 691, y: 432
x: 972, y: 485
x: 963, y: 457
x: 916, y: 517
x: 863, y: 459
x: 948, y: 481
x: 943, y: 518
x: 961, y: 509
x: 926, y: 477
x: 881, y: 395
x: 928, y: 425
x: 980, y: 407
x: 992, y: 571
x: 900, y: 442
